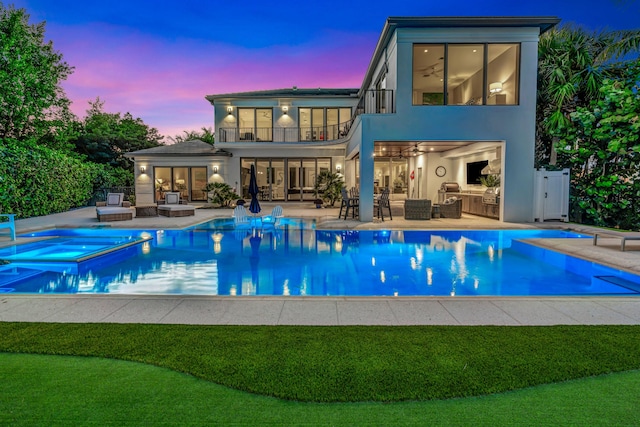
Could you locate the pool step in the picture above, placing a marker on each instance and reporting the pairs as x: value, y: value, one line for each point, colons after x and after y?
x: 619, y: 281
x: 10, y: 274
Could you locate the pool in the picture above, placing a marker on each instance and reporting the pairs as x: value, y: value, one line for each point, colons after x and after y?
x: 299, y: 260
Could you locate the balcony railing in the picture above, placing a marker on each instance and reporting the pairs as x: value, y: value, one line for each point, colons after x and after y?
x: 374, y: 101
x: 280, y: 134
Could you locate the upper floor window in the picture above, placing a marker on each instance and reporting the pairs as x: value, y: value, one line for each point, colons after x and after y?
x: 466, y: 74
x: 323, y: 124
x: 255, y: 124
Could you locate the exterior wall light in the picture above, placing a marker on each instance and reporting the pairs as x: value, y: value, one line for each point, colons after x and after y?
x: 143, y: 169
x: 285, y: 110
x: 215, y: 169
x: 229, y: 110
x: 338, y: 168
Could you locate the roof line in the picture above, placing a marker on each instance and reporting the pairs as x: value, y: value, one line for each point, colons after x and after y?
x: 545, y: 23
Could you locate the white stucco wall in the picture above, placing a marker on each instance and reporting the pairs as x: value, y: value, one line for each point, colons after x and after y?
x: 514, y: 124
x: 145, y: 183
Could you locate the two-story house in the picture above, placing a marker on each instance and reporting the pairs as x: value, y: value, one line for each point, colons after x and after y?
x: 444, y: 99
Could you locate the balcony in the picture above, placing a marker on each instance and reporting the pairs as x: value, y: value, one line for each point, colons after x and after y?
x: 372, y: 102
x: 281, y: 134
x: 376, y: 101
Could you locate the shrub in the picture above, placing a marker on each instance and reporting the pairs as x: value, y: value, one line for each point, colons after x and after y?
x: 38, y: 181
x: 221, y: 194
x: 328, y: 186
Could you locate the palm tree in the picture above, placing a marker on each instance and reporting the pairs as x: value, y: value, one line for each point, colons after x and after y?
x: 206, y: 135
x: 572, y: 65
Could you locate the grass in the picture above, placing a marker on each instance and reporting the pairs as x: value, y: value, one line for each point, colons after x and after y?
x: 348, y: 364
x: 55, y: 390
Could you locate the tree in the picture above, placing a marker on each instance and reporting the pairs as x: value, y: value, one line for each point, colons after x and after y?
x: 206, y: 135
x: 30, y: 75
x: 602, y: 145
x: 106, y: 137
x: 572, y: 66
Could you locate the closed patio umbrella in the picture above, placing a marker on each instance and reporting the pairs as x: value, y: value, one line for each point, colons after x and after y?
x: 254, y: 207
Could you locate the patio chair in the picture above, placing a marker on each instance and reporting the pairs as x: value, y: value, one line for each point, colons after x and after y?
x: 451, y: 208
x: 347, y: 203
x: 115, y: 208
x: 173, y: 208
x: 10, y: 225
x: 240, y: 217
x: 274, y: 218
x: 382, y: 203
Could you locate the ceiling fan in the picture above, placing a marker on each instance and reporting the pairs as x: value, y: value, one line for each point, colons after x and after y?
x: 416, y: 150
x: 432, y: 70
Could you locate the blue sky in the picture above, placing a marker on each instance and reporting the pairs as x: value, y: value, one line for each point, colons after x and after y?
x: 158, y: 59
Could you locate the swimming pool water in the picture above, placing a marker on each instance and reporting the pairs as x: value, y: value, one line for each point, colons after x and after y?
x: 293, y: 261
x: 66, y: 249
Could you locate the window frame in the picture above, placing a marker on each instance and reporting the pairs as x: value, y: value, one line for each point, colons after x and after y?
x: 256, y: 133
x: 312, y: 128
x: 485, y: 70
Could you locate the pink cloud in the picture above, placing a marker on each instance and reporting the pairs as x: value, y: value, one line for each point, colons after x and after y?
x: 164, y: 82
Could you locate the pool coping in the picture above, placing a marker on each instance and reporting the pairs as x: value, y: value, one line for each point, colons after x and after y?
x: 321, y: 311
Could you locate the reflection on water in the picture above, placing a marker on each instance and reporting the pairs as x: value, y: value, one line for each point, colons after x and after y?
x: 293, y: 261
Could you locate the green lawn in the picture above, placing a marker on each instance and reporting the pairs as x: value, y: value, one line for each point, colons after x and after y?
x: 54, y: 390
x: 417, y: 366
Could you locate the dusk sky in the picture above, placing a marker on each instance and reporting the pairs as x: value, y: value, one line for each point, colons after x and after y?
x: 158, y: 59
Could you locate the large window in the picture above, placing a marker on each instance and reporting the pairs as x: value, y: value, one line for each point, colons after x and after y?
x: 283, y: 179
x: 190, y: 182
x: 466, y: 74
x: 255, y: 124
x: 323, y: 124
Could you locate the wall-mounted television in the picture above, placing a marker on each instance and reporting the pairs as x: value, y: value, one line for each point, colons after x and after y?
x: 474, y: 171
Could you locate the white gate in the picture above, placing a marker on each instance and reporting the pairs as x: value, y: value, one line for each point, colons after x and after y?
x: 551, y: 195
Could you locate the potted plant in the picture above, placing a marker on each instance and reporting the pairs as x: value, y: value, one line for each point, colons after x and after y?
x: 491, y: 182
x: 328, y: 187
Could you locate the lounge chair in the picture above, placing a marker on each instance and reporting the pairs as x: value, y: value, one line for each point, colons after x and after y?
x: 622, y: 235
x: 240, y: 217
x: 115, y: 208
x: 173, y: 208
x: 274, y: 218
x: 10, y: 224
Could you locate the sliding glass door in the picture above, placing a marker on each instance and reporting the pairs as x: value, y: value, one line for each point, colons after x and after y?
x: 302, y: 179
x: 190, y: 182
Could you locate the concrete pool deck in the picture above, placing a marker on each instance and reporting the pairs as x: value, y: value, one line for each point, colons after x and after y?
x: 213, y: 310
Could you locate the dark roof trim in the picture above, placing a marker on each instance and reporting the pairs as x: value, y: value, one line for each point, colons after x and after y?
x: 545, y: 23
x: 194, y: 148
x: 288, y: 93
